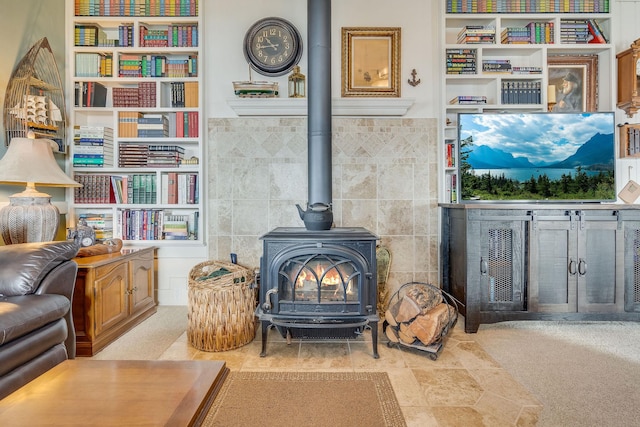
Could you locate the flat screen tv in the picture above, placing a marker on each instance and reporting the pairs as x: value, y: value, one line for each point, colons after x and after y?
x: 537, y: 157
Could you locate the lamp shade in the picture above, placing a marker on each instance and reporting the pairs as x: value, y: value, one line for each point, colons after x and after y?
x: 31, y: 161
x: 30, y: 216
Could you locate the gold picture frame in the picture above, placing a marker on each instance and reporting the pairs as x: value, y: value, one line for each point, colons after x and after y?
x: 583, y: 69
x: 371, y: 62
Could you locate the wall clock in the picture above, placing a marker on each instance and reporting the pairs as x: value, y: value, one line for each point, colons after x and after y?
x: 272, y: 46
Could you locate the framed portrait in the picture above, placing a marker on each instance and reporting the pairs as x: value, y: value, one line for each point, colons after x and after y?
x: 573, y: 79
x: 371, y: 62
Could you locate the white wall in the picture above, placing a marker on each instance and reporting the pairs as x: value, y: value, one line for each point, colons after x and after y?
x: 227, y: 21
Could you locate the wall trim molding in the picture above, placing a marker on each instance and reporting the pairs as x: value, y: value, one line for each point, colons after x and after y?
x: 340, y: 106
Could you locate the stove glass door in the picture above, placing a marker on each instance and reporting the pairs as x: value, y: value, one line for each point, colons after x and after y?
x: 319, y: 279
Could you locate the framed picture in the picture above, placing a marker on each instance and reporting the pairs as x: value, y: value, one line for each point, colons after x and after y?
x: 573, y: 79
x: 371, y: 62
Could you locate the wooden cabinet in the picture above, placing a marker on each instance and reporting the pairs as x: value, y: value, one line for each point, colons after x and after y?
x: 113, y: 293
x: 576, y: 261
x: 629, y: 79
x: 485, y: 248
x: 535, y: 262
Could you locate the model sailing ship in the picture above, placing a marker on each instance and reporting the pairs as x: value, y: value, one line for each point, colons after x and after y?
x: 34, y: 99
x: 40, y: 113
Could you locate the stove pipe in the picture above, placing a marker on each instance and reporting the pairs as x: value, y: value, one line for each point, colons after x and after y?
x: 319, y: 215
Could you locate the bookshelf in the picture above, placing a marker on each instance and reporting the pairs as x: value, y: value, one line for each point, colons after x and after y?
x: 137, y: 122
x: 497, y: 56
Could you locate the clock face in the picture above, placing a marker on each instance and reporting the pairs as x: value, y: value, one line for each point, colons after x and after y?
x: 272, y: 46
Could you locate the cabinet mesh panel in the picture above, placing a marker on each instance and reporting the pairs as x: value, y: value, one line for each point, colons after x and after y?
x: 500, y: 265
x: 636, y: 266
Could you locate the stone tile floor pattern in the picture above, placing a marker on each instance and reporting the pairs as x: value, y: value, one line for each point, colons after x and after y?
x: 463, y: 387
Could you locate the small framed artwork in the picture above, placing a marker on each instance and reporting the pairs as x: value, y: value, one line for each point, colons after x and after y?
x: 371, y: 62
x: 573, y: 82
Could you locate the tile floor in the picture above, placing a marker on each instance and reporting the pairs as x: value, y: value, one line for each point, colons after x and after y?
x: 463, y: 387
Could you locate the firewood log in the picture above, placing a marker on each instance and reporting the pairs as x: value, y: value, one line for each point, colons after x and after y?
x: 407, y: 339
x: 392, y: 312
x: 425, y: 297
x: 408, y: 309
x: 391, y: 334
x: 405, y: 328
x: 388, y: 316
x: 428, y: 327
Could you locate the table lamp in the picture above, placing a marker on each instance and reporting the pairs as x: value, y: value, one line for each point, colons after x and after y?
x: 30, y: 216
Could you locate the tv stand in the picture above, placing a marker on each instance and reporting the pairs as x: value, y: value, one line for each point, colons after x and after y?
x: 542, y: 261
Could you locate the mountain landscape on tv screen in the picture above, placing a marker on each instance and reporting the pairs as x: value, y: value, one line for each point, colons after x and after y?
x: 537, y: 156
x: 596, y: 153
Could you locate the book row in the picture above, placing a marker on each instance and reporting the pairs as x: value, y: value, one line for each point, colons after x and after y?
x: 184, y: 94
x: 536, y: 32
x: 105, y: 189
x: 175, y: 188
x: 93, y: 64
x: 136, y: 7
x: 476, y: 34
x: 155, y: 224
x: 181, y: 124
x: 92, y: 146
x: 468, y: 99
x: 134, y: 65
x: 521, y: 92
x: 496, y: 66
x: 90, y: 94
x: 94, y: 35
x: 527, y: 6
x: 581, y: 31
x: 133, y: 155
x: 451, y: 188
x: 461, y: 61
x: 171, y: 36
x: 450, y: 154
x: 141, y: 95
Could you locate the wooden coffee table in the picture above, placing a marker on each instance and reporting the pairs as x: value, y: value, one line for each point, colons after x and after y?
x: 105, y: 392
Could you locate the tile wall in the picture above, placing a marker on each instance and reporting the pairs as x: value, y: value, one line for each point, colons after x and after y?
x: 384, y: 179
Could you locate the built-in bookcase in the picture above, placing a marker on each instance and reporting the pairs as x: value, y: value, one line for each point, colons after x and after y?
x: 136, y: 121
x: 496, y: 57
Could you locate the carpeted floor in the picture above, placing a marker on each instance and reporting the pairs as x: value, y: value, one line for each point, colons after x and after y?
x: 584, y: 373
x: 310, y: 399
x: 150, y: 339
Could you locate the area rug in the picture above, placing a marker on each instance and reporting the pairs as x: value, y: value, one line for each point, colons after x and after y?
x: 310, y: 399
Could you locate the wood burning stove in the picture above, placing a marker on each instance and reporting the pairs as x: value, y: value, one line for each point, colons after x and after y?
x: 318, y: 281
x: 318, y: 284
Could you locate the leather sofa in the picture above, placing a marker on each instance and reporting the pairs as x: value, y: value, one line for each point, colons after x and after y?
x: 36, y: 323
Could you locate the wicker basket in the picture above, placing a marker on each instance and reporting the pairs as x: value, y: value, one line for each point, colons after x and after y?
x: 221, y: 309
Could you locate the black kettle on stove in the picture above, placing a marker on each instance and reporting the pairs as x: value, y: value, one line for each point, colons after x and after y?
x: 318, y: 216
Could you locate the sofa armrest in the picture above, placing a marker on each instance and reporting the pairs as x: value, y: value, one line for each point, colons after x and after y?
x: 61, y: 280
x: 23, y: 266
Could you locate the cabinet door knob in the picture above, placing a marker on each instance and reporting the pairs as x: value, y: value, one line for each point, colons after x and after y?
x: 582, y: 267
x: 572, y: 267
x: 483, y: 267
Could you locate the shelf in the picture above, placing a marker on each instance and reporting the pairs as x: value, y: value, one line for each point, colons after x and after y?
x: 340, y: 106
x: 507, y: 40
x: 138, y: 112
